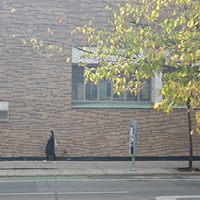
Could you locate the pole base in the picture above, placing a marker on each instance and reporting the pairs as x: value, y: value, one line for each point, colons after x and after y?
x: 133, y: 164
x: 133, y: 169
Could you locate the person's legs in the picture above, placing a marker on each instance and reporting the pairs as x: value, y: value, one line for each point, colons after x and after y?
x: 54, y: 157
x: 47, y: 157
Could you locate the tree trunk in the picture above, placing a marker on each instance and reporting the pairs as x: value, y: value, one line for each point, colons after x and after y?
x: 190, y: 136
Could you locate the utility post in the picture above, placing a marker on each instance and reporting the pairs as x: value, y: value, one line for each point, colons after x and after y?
x: 133, y: 142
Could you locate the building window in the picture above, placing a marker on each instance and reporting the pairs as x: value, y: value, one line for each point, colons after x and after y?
x: 143, y: 95
x: 4, y: 111
x: 103, y: 90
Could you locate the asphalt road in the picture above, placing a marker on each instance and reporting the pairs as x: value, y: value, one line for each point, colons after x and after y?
x: 99, y: 188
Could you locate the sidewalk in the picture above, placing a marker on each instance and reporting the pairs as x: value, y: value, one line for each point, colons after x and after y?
x: 93, y: 168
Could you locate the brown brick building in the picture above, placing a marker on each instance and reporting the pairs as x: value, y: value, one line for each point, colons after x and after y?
x: 39, y: 95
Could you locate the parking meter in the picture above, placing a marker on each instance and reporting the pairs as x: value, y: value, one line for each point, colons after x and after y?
x: 133, y: 138
x: 133, y: 142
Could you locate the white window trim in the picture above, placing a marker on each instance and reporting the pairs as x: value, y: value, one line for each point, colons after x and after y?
x: 156, y: 86
x: 156, y: 82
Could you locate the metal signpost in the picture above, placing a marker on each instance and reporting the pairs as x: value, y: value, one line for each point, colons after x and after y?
x: 133, y: 142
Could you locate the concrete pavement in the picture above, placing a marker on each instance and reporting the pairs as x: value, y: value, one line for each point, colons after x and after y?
x: 92, y: 168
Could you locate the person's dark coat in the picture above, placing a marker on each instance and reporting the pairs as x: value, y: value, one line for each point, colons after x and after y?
x: 50, y: 146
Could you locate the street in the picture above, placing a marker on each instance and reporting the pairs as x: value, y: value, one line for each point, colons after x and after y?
x: 102, y: 187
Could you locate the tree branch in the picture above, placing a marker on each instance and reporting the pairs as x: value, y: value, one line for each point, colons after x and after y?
x: 68, y: 44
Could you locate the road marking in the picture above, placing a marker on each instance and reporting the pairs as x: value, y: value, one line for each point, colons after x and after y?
x: 175, y: 197
x: 85, y: 178
x: 64, y: 193
x: 145, y: 179
x: 32, y: 179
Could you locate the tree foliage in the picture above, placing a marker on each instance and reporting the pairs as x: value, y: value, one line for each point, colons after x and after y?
x: 141, y: 40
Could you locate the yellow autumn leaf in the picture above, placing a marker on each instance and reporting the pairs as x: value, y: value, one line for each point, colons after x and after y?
x: 190, y: 23
x: 185, y: 74
x: 48, y: 31
x: 192, y: 132
x: 160, y: 50
x: 124, y: 80
x: 35, y: 40
x: 182, y: 59
x: 154, y: 13
x: 137, y: 20
x: 112, y: 41
x: 198, y: 53
x: 13, y: 35
x: 68, y: 59
x: 60, y: 49
x: 155, y: 106
x: 12, y: 10
x: 82, y: 19
x: 157, y: 8
x: 71, y: 33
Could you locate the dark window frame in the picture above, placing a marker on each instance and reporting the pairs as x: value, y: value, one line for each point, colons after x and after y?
x: 81, y: 93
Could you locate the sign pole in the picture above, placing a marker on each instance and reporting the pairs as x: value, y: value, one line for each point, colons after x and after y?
x: 133, y: 142
x: 133, y: 164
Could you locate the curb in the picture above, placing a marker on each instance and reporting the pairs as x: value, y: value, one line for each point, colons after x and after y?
x: 80, y: 172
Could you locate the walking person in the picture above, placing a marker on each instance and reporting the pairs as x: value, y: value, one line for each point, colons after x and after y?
x: 50, y: 148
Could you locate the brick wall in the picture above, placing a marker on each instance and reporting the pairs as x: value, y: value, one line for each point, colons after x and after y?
x: 39, y: 93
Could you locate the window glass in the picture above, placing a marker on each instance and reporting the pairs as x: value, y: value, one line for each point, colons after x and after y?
x: 103, y: 90
x: 77, y: 83
x: 3, y: 115
x: 116, y: 97
x: 145, y: 94
x: 90, y: 91
x: 131, y: 97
